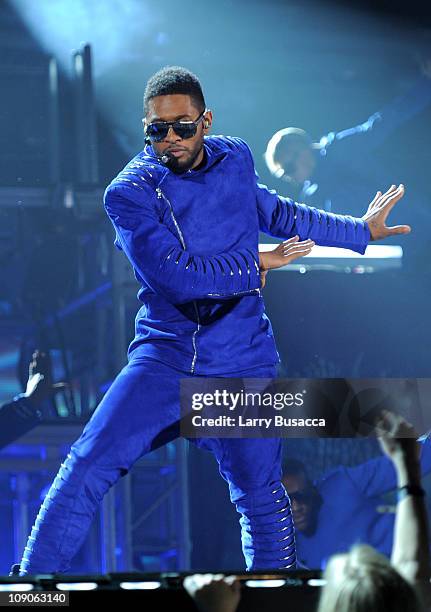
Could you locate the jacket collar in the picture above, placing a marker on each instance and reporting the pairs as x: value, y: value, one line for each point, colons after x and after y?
x: 213, y: 156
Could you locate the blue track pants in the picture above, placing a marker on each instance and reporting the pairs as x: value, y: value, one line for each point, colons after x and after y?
x: 139, y: 413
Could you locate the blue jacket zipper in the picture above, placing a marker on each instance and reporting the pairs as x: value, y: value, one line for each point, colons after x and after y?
x: 160, y: 194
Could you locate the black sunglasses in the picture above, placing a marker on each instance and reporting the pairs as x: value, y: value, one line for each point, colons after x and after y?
x: 302, y: 497
x: 158, y: 130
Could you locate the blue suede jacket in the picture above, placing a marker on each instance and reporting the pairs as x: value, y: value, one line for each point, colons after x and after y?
x: 192, y: 239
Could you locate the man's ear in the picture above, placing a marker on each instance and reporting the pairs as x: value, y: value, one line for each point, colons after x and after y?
x: 208, y: 121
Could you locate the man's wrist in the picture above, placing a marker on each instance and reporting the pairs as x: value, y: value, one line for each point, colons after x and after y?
x: 408, y: 471
x: 410, y: 489
x: 367, y: 225
x: 262, y: 262
x: 26, y: 408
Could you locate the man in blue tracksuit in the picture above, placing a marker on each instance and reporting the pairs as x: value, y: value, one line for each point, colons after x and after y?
x: 187, y: 212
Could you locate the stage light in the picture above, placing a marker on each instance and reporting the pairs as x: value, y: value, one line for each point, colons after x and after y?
x: 265, y: 583
x: 24, y: 586
x: 376, y: 257
x: 373, y: 251
x: 140, y: 586
x: 76, y: 586
x: 316, y: 582
x: 63, y: 26
x: 132, y: 28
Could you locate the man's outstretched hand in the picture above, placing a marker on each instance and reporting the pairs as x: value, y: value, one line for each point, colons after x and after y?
x: 397, y: 437
x: 378, y: 211
x: 284, y: 253
x: 39, y: 385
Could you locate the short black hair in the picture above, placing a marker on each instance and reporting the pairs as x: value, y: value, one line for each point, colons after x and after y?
x: 294, y: 467
x: 174, y: 80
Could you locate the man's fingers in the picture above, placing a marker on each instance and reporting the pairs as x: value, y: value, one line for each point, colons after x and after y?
x: 293, y: 242
x: 298, y: 247
x: 391, y: 189
x: 373, y: 202
x: 398, y: 229
x: 297, y: 254
x: 290, y: 240
x: 298, y: 244
x: 39, y: 362
x: 381, y: 201
x: 389, y: 199
x: 303, y: 245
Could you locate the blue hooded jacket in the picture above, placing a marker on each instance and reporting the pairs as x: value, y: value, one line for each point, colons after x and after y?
x: 192, y: 239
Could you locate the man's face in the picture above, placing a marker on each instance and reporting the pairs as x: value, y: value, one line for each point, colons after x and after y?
x: 305, y: 164
x: 298, y: 161
x: 302, y: 501
x: 184, y: 153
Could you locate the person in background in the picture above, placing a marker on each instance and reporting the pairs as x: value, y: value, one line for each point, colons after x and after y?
x: 341, y: 508
x: 213, y: 592
x: 363, y: 579
x: 25, y: 411
x: 331, y: 173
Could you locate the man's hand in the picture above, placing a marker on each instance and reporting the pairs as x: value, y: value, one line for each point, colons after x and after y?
x: 213, y: 592
x: 397, y: 438
x: 39, y: 385
x: 284, y: 253
x: 378, y: 211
